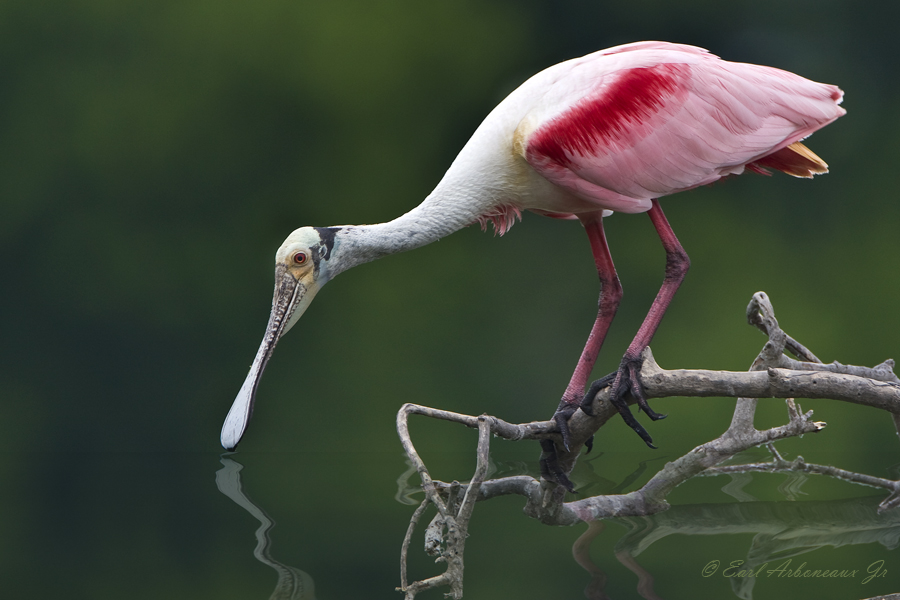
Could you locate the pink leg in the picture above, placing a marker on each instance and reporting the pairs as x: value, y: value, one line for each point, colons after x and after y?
x: 610, y: 296
x: 677, y: 265
x: 626, y: 380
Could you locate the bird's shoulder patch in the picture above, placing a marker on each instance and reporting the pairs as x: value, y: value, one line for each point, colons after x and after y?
x: 622, y: 106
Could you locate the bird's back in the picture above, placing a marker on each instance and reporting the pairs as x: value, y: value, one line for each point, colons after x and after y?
x: 622, y: 126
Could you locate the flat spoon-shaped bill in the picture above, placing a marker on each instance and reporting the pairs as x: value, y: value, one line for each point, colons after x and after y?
x: 288, y: 295
x: 239, y: 415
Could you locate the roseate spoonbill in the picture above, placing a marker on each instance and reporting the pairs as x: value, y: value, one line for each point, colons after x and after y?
x: 609, y: 132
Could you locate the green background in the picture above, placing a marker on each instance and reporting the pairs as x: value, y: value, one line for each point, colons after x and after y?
x: 153, y: 156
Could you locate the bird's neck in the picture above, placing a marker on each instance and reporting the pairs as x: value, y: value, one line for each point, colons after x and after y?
x: 438, y: 216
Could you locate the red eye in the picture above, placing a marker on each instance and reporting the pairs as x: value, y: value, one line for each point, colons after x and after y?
x: 299, y: 258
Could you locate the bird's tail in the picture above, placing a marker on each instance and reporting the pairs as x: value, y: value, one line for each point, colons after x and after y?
x: 796, y: 160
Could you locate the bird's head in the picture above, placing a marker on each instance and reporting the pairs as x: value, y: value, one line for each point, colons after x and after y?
x: 301, y: 269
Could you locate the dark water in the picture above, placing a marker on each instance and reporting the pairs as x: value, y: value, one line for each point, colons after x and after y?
x: 329, y: 525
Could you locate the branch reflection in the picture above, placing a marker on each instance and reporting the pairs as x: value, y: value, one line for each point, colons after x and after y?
x: 783, y: 530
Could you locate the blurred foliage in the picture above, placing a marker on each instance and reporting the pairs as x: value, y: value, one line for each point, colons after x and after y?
x: 154, y: 156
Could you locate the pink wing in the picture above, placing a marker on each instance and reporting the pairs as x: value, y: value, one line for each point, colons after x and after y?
x: 652, y: 119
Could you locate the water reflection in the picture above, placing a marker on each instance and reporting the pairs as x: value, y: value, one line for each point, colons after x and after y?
x: 293, y: 584
x: 783, y: 530
x: 783, y: 535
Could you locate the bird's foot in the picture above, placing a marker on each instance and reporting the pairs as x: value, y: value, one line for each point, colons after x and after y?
x: 562, y: 415
x: 551, y: 469
x: 587, y: 403
x: 625, y: 381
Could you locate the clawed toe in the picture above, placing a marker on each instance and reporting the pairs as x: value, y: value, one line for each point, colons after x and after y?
x: 551, y: 470
x: 562, y: 415
x: 587, y: 403
x: 624, y: 382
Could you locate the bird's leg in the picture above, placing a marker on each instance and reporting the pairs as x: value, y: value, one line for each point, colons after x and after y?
x: 627, y: 377
x: 610, y: 295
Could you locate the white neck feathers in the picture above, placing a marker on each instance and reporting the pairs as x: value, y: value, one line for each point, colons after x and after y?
x: 438, y: 216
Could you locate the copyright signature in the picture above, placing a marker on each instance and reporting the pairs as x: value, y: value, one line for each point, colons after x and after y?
x: 736, y: 569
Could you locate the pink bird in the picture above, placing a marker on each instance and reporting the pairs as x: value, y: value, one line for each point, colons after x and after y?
x: 612, y: 131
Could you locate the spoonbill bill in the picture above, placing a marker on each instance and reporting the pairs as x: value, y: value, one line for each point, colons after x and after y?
x: 612, y: 131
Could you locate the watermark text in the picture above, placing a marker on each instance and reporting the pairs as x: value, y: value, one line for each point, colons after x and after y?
x: 787, y: 568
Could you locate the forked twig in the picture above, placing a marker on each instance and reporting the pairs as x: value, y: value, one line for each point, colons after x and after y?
x: 446, y: 535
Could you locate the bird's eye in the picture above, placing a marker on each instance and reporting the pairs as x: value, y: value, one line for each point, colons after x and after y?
x: 300, y: 258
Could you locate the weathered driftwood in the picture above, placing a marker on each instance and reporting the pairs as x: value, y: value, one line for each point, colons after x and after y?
x: 772, y: 375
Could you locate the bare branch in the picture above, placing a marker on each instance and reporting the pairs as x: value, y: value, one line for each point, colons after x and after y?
x: 771, y: 383
x: 406, y: 441
x: 484, y: 440
x: 404, y: 549
x: 772, y: 375
x: 658, y: 383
